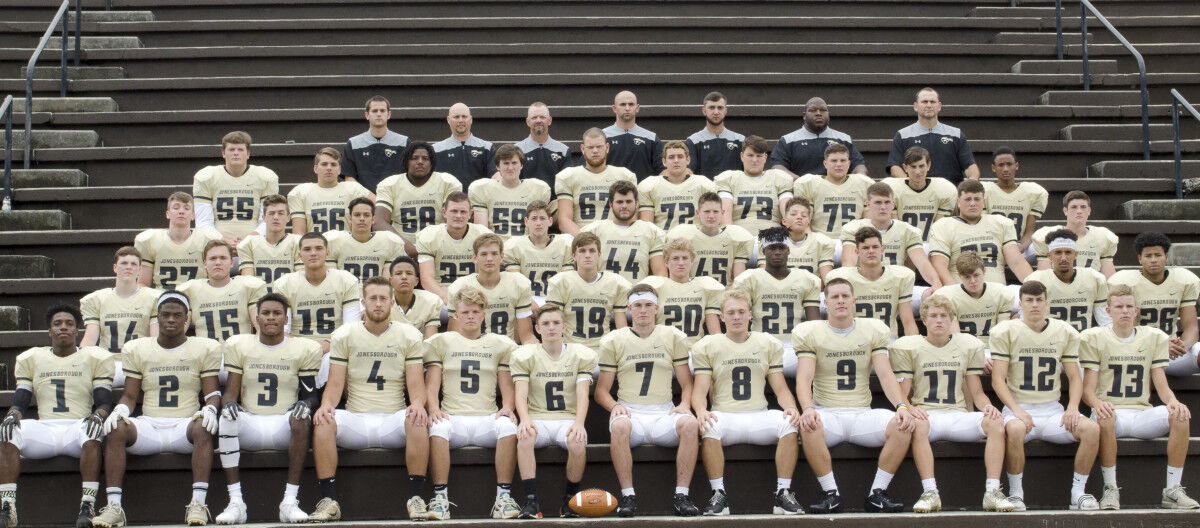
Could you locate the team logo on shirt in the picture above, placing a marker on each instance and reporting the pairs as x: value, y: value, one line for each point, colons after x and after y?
x: 388, y: 152
x: 639, y: 141
x: 555, y: 156
x: 829, y: 142
x: 476, y: 153
x: 946, y: 140
x: 730, y: 146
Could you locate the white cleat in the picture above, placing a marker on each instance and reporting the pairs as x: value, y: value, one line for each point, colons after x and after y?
x: 929, y: 502
x: 1085, y: 502
x: 1176, y: 499
x: 995, y: 501
x: 290, y: 512
x: 1018, y: 503
x: 235, y: 513
x: 1111, y: 499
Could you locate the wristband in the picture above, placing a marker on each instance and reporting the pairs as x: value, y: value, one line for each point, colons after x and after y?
x: 901, y: 406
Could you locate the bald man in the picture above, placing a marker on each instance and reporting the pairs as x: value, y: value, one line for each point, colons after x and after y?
x: 803, y: 150
x: 631, y: 146
x: 462, y: 154
x: 544, y: 157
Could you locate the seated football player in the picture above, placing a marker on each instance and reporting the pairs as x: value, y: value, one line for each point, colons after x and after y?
x: 835, y: 361
x: 553, y: 381
x: 1076, y: 294
x: 409, y: 202
x: 499, y: 202
x: 1097, y: 245
x: 722, y: 251
x: 222, y: 305
x: 359, y: 250
x: 465, y: 369
x: 173, y: 255
x: 669, y: 199
x: 73, y: 388
x: 634, y: 246
x: 444, y: 250
x: 582, y: 190
x: 508, y: 293
x: 643, y: 359
x: 1023, y: 202
x: 687, y: 303
x: 538, y: 254
x: 1116, y: 359
x: 588, y: 296
x: 753, y: 198
x: 1029, y: 356
x: 781, y: 296
x: 940, y: 371
x: 375, y: 363
x: 267, y: 404
x: 993, y: 237
x: 979, y: 305
x: 229, y: 196
x: 837, y: 197
x: 921, y: 200
x: 882, y: 291
x: 322, y: 206
x: 811, y: 252
x: 416, y: 307
x: 175, y: 378
x: 735, y: 368
x: 901, y: 241
x: 113, y: 316
x: 276, y: 252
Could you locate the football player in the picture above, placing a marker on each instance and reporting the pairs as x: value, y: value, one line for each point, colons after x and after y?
x: 275, y: 253
x: 229, y: 196
x: 407, y: 203
x: 222, y: 305
x: 1076, y: 294
x: 359, y: 250
x: 993, y: 237
x: 538, y: 254
x: 882, y: 291
x: 634, y: 246
x: 753, y: 198
x: 499, y: 203
x: 508, y: 309
x: 979, y: 305
x: 173, y: 255
x: 687, y: 303
x: 416, y: 307
x: 589, y: 297
x: 114, y: 316
x: 1097, y: 245
x: 722, y: 251
x: 811, y: 252
x: 444, y: 250
x: 582, y: 191
x: 322, y: 206
x: 921, y: 200
x: 838, y: 196
x: 901, y: 241
x: 1022, y: 202
x: 669, y: 199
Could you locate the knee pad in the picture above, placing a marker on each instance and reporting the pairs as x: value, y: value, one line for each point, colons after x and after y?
x: 1185, y: 365
x: 505, y: 427
x: 229, y: 446
x: 441, y: 429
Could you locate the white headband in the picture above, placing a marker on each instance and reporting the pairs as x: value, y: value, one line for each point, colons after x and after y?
x: 643, y: 296
x: 1062, y: 243
x: 173, y: 296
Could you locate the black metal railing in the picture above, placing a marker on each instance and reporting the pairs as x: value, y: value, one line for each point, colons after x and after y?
x: 1177, y: 102
x: 61, y: 15
x: 1084, y: 8
x: 6, y: 113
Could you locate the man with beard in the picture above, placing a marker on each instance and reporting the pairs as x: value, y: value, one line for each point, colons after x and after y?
x: 582, y: 192
x: 407, y: 203
x: 950, y: 155
x: 803, y: 150
x: 630, y: 145
x: 462, y: 154
x: 544, y: 156
x: 634, y: 246
x: 714, y: 149
x: 374, y: 154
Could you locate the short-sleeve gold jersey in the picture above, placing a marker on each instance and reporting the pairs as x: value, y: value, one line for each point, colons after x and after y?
x: 219, y: 313
x: 1159, y: 304
x: 644, y: 366
x: 672, y: 203
x: 317, y: 308
x: 1097, y: 246
x: 172, y: 264
x: 470, y: 370
x: 588, y: 306
x: 170, y: 379
x: 588, y: 191
x: 627, y: 249
x: 898, y: 239
x: 716, y: 255
x: 880, y: 298
x: 1074, y: 302
x: 977, y: 316
x: 809, y: 254
x: 535, y: 263
x: 1124, y: 366
x: 779, y: 304
x: 938, y: 374
x: 271, y: 374
x: 121, y: 319
x: 324, y: 208
x: 684, y: 305
x: 552, y: 381
x: 988, y: 237
x: 1035, y: 358
x: 375, y: 365
x: 756, y: 199
x: 1028, y: 199
x: 919, y: 208
x: 364, y: 259
x: 833, y: 204
x: 62, y: 386
x: 414, y: 208
x: 843, y: 362
x: 234, y: 199
x: 452, y: 258
x: 269, y: 261
x: 508, y: 301
x: 425, y: 310
x: 738, y: 370
x: 504, y: 206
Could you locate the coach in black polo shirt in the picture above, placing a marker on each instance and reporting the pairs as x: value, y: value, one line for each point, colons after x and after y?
x: 462, y: 154
x: 950, y: 156
x: 370, y: 157
x: 544, y: 157
x: 715, y: 149
x: 629, y: 145
x: 803, y: 151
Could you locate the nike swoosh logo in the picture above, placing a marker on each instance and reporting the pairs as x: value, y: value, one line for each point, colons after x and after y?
x: 305, y: 387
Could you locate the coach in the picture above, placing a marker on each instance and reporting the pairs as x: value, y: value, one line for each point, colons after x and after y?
x: 949, y: 153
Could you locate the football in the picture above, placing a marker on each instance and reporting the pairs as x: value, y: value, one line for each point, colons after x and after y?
x: 593, y: 503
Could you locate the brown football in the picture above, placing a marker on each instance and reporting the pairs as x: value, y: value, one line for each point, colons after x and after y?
x: 593, y: 503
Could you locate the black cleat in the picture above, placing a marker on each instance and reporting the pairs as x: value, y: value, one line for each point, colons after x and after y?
x: 8, y: 515
x: 879, y: 502
x: 831, y: 503
x: 531, y: 510
x: 684, y: 507
x: 717, y: 505
x: 86, y: 511
x: 628, y: 506
x: 786, y: 504
x: 565, y: 510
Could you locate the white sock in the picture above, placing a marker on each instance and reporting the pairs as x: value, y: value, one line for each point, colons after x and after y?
x: 1078, y: 482
x: 681, y: 490
x: 114, y: 496
x: 1174, y: 475
x: 89, y: 491
x: 235, y: 492
x: 991, y: 484
x: 1014, y: 485
x: 199, y: 492
x: 290, y: 491
x: 1110, y: 475
x: 882, y: 479
x: 503, y: 489
x: 625, y: 492
x: 782, y: 484
x: 717, y: 484
x: 828, y: 483
x: 8, y: 492
x: 929, y: 484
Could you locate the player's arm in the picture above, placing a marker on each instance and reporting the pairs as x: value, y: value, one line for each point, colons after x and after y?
x: 429, y: 279
x: 891, y: 389
x: 582, y: 398
x: 683, y: 375
x: 920, y: 261
x: 941, y: 265
x: 1106, y: 267
x: 712, y: 326
x: 333, y: 393
x: 726, y: 211
x: 566, y: 217
x: 972, y: 172
x: 812, y: 313
x: 525, y: 425
x: 738, y: 268
x: 1016, y: 262
x: 849, y: 256
x: 414, y: 381
x: 233, y: 389
x: 1175, y: 408
x: 806, y: 369
x: 210, y: 387
x: 603, y: 395
x: 619, y: 319
x: 145, y: 275
x: 1190, y: 332
x: 1027, y: 235
x: 525, y: 334
x: 1103, y: 409
x: 1000, y: 387
x: 658, y: 266
x: 504, y: 381
x: 906, y: 318
x: 1074, y: 394
x: 383, y: 219
x: 299, y: 225
x: 433, y: 387
x: 699, y: 396
x: 783, y: 396
x: 480, y: 216
x: 91, y: 335
x: 646, y: 215
x: 979, y: 398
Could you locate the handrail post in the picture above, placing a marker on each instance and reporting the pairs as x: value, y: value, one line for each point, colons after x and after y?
x: 62, y: 84
x: 1058, y: 27
x: 78, y: 31
x: 1087, y: 77
x: 8, y: 104
x: 61, y: 14
x: 1178, y: 154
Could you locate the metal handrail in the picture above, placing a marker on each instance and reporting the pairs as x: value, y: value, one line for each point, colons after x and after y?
x: 1085, y: 7
x: 6, y: 113
x: 62, y: 86
x: 1177, y: 100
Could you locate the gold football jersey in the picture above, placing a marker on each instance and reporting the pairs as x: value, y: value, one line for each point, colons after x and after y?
x: 988, y: 237
x: 120, y: 319
x: 919, y: 208
x: 271, y: 374
x: 552, y: 382
x: 269, y: 261
x: 879, y: 299
x: 588, y: 306
x: 235, y: 200
x: 62, y: 386
x: 317, y: 308
x: 977, y: 316
x: 364, y: 259
x: 425, y: 310
x: 779, y: 303
x: 1096, y: 247
x: 843, y: 370
x: 756, y: 199
x: 1034, y: 357
x: 1124, y: 367
x: 375, y: 365
x: 938, y: 374
x: 219, y: 313
x: 1159, y: 304
x: 684, y: 305
x: 809, y: 254
x: 1027, y: 199
x: 171, y: 378
x: 644, y: 367
x: 415, y: 208
x: 833, y: 204
x: 172, y: 263
x: 324, y: 208
x: 589, y: 191
x: 505, y: 207
x: 470, y: 370
x: 538, y: 264
x: 738, y: 370
x: 452, y: 258
x: 1076, y: 301
x: 716, y: 255
x: 898, y: 239
x: 627, y: 249
x: 510, y: 300
x: 673, y: 204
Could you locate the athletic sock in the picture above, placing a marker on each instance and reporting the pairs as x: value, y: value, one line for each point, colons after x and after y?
x: 1078, y: 483
x: 290, y: 491
x: 782, y: 484
x: 530, y: 486
x: 627, y: 492
x: 1174, y: 476
x: 114, y: 496
x: 199, y: 492
x: 89, y: 492
x: 882, y: 479
x: 235, y: 492
x: 1110, y: 475
x: 502, y: 489
x: 439, y: 490
x: 828, y: 483
x: 717, y: 484
x: 572, y: 488
x: 1015, y: 488
x: 991, y: 484
x: 416, y: 484
x: 328, y: 487
x: 681, y: 490
x: 8, y: 492
x: 929, y: 484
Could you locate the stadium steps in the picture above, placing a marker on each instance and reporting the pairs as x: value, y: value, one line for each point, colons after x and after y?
x: 1064, y: 66
x: 39, y: 178
x: 1155, y: 169
x: 51, y: 105
x: 26, y: 266
x: 1179, y: 210
x: 33, y: 220
x: 1185, y: 253
x: 43, y: 139
x: 12, y: 318
x: 1158, y: 132
x: 77, y: 72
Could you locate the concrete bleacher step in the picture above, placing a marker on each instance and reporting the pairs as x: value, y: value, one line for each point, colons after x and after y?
x: 67, y: 104
x: 55, y: 139
x: 36, y: 178
x: 1091, y: 97
x: 1064, y: 66
x: 113, y: 16
x: 77, y: 72
x: 1185, y: 254
x: 1142, y: 169
x: 34, y: 220
x: 1180, y: 210
x: 1158, y: 132
x: 1050, y: 37
x: 26, y: 266
x: 76, y: 253
x: 87, y: 43
x: 13, y: 318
